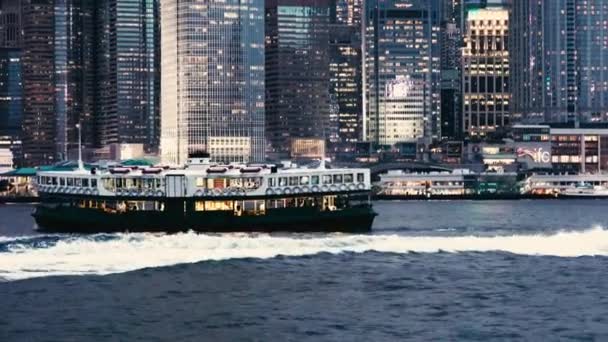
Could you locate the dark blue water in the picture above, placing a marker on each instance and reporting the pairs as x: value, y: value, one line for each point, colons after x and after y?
x: 512, y: 270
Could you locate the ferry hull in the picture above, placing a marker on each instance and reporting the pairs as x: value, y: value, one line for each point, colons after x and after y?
x: 82, y: 220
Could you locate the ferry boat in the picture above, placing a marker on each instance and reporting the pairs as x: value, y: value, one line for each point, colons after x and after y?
x: 567, y: 185
x: 204, y: 197
x: 585, y: 190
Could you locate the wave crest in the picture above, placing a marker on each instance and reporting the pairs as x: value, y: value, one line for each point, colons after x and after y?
x: 102, y: 254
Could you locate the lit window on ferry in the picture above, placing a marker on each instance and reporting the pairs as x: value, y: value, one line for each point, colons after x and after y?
x: 360, y: 177
x: 200, y: 182
x: 271, y: 182
x: 348, y: 178
x: 78, y: 182
x: 337, y: 179
x: 327, y: 179
x: 283, y: 181
x: 304, y: 180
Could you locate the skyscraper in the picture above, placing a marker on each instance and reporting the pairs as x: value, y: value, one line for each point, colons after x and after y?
x: 212, y: 79
x: 10, y: 23
x: 345, y: 70
x: 486, y: 71
x: 58, y: 77
x: 451, y: 68
x: 297, y: 73
x: 128, y: 74
x: 38, y: 81
x: 402, y: 71
x: 11, y: 105
x: 544, y: 58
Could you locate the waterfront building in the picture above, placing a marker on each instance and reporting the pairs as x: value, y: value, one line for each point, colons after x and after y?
x: 128, y: 73
x: 298, y: 74
x: 486, y: 71
x: 212, y: 80
x: 559, y: 50
x: 401, y: 71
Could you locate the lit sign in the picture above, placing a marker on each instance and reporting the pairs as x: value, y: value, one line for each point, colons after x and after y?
x: 538, y: 155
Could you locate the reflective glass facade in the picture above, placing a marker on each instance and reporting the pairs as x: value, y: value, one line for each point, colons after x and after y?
x: 298, y: 76
x: 212, y: 79
x: 402, y: 71
x: 11, y: 111
x: 128, y: 73
x: 486, y: 71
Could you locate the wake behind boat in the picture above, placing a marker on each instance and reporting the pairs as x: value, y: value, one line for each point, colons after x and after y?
x: 205, y: 197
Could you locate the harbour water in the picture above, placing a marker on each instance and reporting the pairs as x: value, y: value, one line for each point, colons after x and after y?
x: 439, y: 270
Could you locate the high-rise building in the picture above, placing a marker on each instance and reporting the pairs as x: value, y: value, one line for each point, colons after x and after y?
x: 560, y: 49
x: 297, y: 73
x: 451, y: 63
x: 485, y: 73
x: 38, y: 81
x: 128, y: 74
x: 544, y: 60
x: 402, y: 71
x: 11, y: 87
x: 58, y: 77
x: 345, y: 67
x: 212, y: 79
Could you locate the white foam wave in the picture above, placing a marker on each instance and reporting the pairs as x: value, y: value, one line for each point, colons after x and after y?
x: 129, y: 252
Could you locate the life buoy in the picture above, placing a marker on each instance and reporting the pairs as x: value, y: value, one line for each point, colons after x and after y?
x: 352, y: 187
x: 269, y: 192
x: 296, y: 190
x: 324, y: 188
x: 95, y: 192
x: 315, y: 188
x: 287, y: 191
x: 333, y: 187
x: 217, y: 192
x: 199, y: 193
x: 343, y: 187
x: 278, y: 191
x: 87, y: 192
x: 305, y: 189
x: 360, y: 186
x: 159, y: 193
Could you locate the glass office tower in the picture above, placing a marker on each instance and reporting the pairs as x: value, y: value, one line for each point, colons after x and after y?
x: 402, y: 71
x: 212, y: 79
x: 128, y: 73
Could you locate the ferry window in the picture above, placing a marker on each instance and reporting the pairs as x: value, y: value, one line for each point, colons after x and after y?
x: 218, y: 205
x: 314, y: 180
x: 360, y: 177
x: 271, y: 182
x: 293, y: 180
x: 283, y: 181
x: 62, y: 181
x: 85, y: 182
x: 304, y: 180
x: 235, y: 183
x: 93, y: 183
x: 54, y: 181
x: 348, y: 178
x: 70, y: 181
x: 200, y: 182
x: 327, y: 179
x: 78, y: 182
x: 158, y: 183
x: 199, y: 206
x: 128, y: 183
x: 337, y: 179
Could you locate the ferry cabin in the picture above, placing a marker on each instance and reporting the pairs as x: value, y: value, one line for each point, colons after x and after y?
x: 209, y: 197
x: 401, y: 184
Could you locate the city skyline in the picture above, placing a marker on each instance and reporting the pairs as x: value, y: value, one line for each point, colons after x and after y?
x: 323, y: 77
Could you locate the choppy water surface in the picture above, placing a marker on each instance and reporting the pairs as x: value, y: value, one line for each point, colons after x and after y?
x: 445, y: 270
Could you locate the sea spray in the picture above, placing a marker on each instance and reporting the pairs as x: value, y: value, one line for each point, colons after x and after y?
x: 22, y: 258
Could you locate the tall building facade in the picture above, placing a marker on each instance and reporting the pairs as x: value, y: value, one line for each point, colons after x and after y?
x: 128, y: 73
x: 297, y: 74
x: 544, y: 53
x: 402, y: 71
x: 38, y: 81
x: 345, y: 69
x: 486, y: 94
x: 58, y: 77
x: 212, y: 80
x: 561, y: 49
x: 451, y: 62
